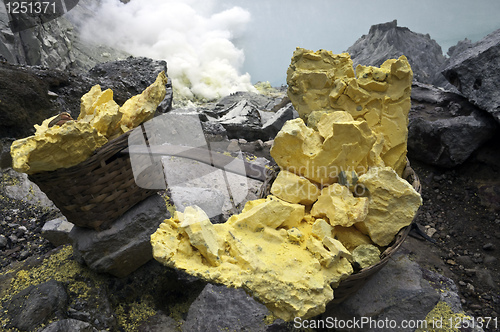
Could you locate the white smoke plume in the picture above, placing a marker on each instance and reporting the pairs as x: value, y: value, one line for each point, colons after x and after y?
x: 197, y: 43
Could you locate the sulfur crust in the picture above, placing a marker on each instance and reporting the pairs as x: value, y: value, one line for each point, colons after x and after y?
x: 326, y: 82
x: 260, y: 250
x: 100, y: 120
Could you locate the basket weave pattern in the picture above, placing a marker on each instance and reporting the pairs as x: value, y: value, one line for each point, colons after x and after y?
x: 355, y: 281
x: 97, y: 191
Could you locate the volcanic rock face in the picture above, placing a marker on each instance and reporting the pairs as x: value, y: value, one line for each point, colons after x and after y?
x: 388, y: 41
x: 51, y: 41
x: 475, y: 72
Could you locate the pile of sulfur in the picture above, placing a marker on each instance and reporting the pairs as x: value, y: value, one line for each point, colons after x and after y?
x: 337, y: 201
x: 67, y: 143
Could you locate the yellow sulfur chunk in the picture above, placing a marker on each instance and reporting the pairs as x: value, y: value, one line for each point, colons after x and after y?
x: 366, y: 255
x: 287, y: 269
x: 340, y: 144
x: 325, y: 257
x: 142, y: 107
x: 294, y: 189
x: 392, y: 204
x: 58, y: 146
x: 93, y: 99
x: 268, y: 213
x: 336, y: 247
x: 202, y: 234
x: 321, y: 229
x: 100, y: 120
x: 338, y: 204
x: 351, y: 237
x: 295, y: 235
x: 323, y: 81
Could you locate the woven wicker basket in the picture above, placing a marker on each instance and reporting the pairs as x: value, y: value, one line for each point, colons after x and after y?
x: 355, y: 281
x: 97, y: 191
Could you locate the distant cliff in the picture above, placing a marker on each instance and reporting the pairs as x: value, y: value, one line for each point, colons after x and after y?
x: 387, y: 41
x: 53, y: 42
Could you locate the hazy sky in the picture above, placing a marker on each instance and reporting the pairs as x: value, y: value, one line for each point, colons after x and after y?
x: 216, y: 47
x: 278, y: 26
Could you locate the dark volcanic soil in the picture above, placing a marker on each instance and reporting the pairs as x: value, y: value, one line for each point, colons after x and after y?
x: 467, y: 232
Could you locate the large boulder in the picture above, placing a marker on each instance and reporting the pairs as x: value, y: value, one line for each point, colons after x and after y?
x: 36, y: 304
x: 445, y: 128
x: 219, y: 308
x: 389, y: 41
x: 25, y: 98
x: 475, y: 71
x: 401, y: 293
x: 125, y: 246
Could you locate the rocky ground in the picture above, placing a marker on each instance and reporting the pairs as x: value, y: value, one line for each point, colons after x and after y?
x: 467, y: 235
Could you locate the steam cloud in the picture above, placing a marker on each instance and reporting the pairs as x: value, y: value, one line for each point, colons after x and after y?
x: 197, y: 44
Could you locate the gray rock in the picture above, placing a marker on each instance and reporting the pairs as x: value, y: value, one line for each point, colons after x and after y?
x: 57, y: 231
x: 5, y: 157
x: 388, y: 41
x: 219, y: 308
x: 72, y: 325
x: 214, y: 132
x: 3, y: 241
x: 402, y: 290
x: 272, y: 126
x: 209, y: 182
x: 208, y: 199
x: 21, y: 188
x: 130, y: 77
x: 444, y: 128
x: 36, y: 304
x: 475, y: 71
x: 159, y: 323
x: 125, y: 246
x: 225, y: 104
x: 24, y: 98
x: 242, y: 120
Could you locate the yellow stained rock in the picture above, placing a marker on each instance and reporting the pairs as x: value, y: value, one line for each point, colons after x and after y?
x: 336, y: 247
x: 280, y: 266
x: 393, y: 204
x: 351, y: 237
x: 100, y: 120
x: 142, y: 107
x: 339, y: 205
x: 340, y: 144
x: 323, y: 81
x: 55, y: 147
x: 294, y: 188
x: 268, y: 213
x: 202, y: 234
x: 100, y: 110
x: 366, y: 255
x: 321, y: 229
